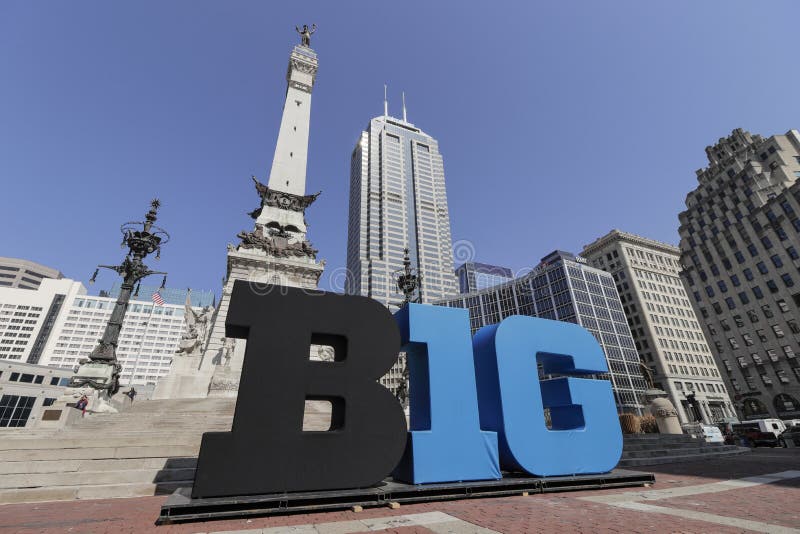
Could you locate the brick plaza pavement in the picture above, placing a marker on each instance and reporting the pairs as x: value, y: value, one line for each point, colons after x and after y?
x: 755, y: 492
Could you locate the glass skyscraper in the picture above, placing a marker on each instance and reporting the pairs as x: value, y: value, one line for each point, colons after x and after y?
x: 398, y: 200
x: 474, y: 276
x: 563, y: 288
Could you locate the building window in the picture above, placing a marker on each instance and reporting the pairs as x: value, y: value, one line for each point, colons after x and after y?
x: 748, y: 274
x: 776, y: 260
x: 778, y: 330
x: 787, y: 280
x: 772, y: 286
x: 15, y: 410
x: 762, y: 268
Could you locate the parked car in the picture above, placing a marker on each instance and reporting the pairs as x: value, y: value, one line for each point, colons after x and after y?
x: 790, y: 437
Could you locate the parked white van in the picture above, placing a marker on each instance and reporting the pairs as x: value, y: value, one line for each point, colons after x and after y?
x: 775, y: 426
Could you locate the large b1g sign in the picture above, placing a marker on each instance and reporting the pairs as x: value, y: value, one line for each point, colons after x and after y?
x: 477, y: 404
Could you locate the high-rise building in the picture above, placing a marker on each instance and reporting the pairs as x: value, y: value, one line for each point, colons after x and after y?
x: 562, y: 287
x: 740, y: 250
x: 58, y: 325
x: 24, y: 274
x: 665, y: 329
x: 28, y: 317
x: 398, y: 200
x: 474, y: 276
x: 275, y: 252
x: 170, y: 295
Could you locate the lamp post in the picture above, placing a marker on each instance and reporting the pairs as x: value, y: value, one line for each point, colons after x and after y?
x: 101, y: 371
x: 408, y: 280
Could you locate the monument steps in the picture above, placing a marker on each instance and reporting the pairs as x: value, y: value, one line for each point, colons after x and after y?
x: 102, y: 491
x: 81, y: 466
x: 150, y: 448
x: 654, y: 449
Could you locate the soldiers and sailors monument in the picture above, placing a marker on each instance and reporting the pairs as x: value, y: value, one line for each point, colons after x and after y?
x: 276, y: 251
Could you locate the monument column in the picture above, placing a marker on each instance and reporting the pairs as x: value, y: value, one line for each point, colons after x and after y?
x: 276, y: 251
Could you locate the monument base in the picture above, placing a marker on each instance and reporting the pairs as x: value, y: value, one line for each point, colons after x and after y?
x: 180, y: 507
x: 63, y: 411
x: 185, y: 379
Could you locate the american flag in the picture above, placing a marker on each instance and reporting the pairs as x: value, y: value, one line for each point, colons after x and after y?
x: 157, y: 299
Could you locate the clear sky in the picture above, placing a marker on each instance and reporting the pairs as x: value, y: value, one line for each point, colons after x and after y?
x: 557, y: 121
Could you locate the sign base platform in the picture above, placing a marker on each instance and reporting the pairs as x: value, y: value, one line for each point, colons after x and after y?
x: 180, y: 507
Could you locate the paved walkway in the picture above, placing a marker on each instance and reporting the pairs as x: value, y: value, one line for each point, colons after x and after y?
x: 756, y: 492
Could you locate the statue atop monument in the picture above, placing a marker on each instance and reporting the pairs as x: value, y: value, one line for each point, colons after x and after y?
x: 305, y: 34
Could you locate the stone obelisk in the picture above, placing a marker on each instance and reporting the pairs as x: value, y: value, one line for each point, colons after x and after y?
x: 276, y: 251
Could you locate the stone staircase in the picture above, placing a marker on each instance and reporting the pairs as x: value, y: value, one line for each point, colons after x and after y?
x: 653, y: 449
x: 151, y: 449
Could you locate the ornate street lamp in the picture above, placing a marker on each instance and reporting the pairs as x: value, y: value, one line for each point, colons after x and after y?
x: 101, y: 372
x: 408, y: 280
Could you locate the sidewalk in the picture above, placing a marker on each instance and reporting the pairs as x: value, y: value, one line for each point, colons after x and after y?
x: 759, y: 491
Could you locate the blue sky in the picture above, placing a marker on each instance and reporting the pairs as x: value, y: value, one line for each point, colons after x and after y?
x: 555, y: 119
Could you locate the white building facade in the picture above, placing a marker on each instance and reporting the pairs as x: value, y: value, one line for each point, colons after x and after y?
x: 28, y: 317
x: 666, y: 332
x: 58, y: 324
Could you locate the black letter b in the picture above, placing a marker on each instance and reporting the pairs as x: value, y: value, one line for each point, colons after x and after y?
x: 267, y: 450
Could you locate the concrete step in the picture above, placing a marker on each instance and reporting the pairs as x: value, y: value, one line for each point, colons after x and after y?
x: 668, y: 445
x: 678, y: 458
x: 127, y: 476
x: 81, y: 466
x: 697, y: 451
x: 101, y: 491
x: 90, y: 453
x: 107, y: 442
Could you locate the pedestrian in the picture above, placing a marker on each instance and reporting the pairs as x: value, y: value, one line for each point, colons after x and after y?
x: 82, y: 403
x: 131, y: 394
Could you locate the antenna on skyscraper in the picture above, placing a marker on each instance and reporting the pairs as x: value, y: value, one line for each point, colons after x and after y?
x: 404, y: 107
x: 385, y: 103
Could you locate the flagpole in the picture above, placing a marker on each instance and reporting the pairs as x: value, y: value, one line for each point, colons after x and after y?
x: 141, y: 342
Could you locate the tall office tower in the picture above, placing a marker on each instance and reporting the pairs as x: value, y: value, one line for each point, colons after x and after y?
x: 562, y: 287
x: 740, y: 250
x: 24, y: 274
x: 663, y: 323
x: 398, y: 200
x: 275, y: 252
x: 474, y: 276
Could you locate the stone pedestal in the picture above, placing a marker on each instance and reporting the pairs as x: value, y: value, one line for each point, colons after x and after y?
x: 185, y: 380
x: 665, y: 413
x: 63, y: 412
